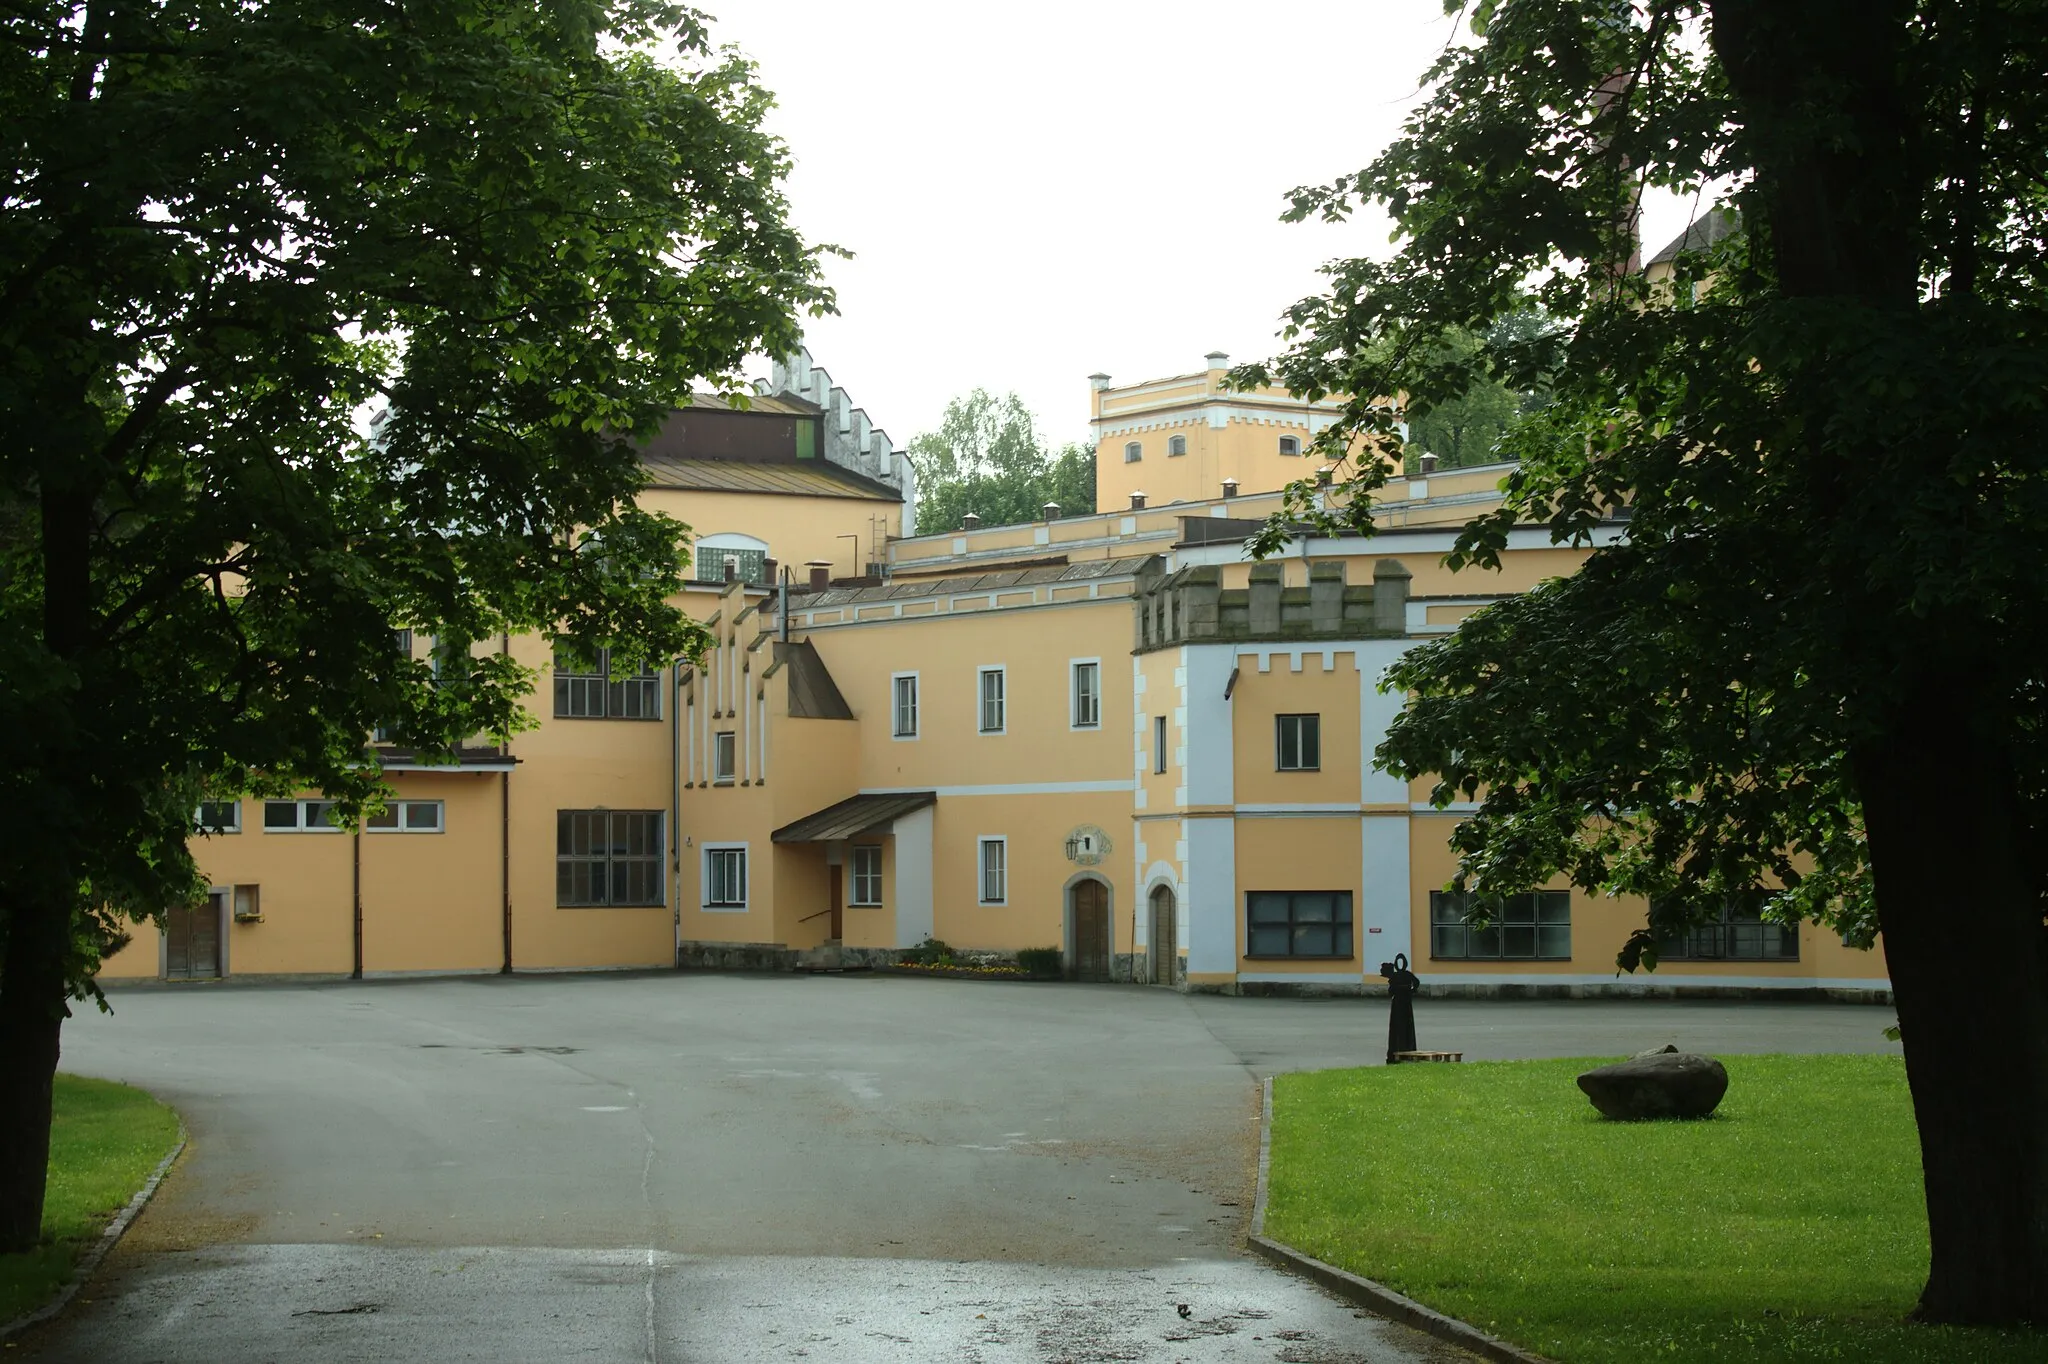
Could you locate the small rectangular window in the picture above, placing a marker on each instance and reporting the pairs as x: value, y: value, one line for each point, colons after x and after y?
x: 992, y: 683
x: 1299, y: 741
x: 1159, y: 743
x: 995, y: 869
x: 591, y: 692
x: 299, y: 816
x: 1290, y: 445
x: 867, y: 874
x: 1134, y: 451
x: 407, y: 816
x: 609, y: 857
x: 905, y: 707
x: 724, y: 755
x: 1176, y: 445
x: 725, y: 878
x: 218, y: 817
x: 1298, y: 923
x: 1087, y: 696
x: 1535, y: 926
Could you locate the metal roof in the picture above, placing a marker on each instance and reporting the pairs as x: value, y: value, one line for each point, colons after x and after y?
x: 781, y: 404
x: 813, y: 695
x: 994, y: 580
x: 855, y: 815
x: 813, y: 478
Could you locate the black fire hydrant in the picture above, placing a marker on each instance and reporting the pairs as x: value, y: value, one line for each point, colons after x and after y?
x: 1402, y: 986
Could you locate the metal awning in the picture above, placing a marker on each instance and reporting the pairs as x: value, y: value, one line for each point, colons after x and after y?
x: 853, y: 816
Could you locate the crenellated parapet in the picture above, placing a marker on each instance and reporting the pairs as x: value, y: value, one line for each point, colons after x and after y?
x: 1192, y: 606
x: 852, y: 440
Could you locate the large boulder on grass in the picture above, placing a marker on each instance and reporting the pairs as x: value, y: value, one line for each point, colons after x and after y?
x: 1674, y: 1084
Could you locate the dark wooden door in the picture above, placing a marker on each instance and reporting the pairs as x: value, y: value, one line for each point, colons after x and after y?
x: 838, y: 903
x: 192, y: 940
x: 1165, y: 949
x: 1091, y: 930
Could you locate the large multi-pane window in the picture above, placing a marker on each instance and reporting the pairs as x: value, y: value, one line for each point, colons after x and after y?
x: 992, y: 701
x: 867, y: 874
x: 608, y: 857
x: 1536, y: 926
x: 995, y: 871
x: 1740, y: 934
x: 583, y: 692
x: 748, y: 565
x: 313, y: 816
x: 1087, y: 695
x: 725, y: 878
x: 1298, y: 923
x: 1298, y: 742
x: 904, y: 689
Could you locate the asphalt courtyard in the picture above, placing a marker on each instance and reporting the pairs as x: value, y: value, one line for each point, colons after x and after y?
x: 668, y: 1167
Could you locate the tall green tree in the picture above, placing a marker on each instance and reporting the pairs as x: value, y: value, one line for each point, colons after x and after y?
x: 1471, y: 427
x: 517, y: 234
x: 988, y: 458
x: 1812, y: 674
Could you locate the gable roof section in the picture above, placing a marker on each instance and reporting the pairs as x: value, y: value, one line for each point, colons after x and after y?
x: 813, y: 695
x: 813, y: 478
x: 1716, y: 224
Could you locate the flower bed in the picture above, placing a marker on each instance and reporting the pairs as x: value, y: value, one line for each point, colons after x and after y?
x: 966, y: 971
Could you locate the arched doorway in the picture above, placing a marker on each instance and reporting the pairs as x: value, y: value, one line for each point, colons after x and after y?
x: 1089, y: 901
x: 1162, y: 944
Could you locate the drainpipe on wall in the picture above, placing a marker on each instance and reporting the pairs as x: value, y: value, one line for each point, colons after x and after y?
x: 675, y: 805
x: 356, y: 897
x: 505, y: 830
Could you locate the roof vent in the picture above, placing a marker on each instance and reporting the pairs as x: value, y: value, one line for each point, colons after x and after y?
x: 1137, y: 501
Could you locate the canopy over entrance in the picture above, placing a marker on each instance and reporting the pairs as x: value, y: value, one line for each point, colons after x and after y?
x: 855, y: 815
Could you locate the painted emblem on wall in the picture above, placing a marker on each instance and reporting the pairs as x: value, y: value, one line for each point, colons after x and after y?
x: 1087, y: 845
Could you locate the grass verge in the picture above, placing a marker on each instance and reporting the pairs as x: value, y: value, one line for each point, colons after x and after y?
x: 104, y: 1141
x: 1788, y: 1227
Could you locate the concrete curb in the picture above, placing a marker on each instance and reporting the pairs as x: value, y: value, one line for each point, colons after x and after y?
x: 1376, y: 1297
x: 109, y: 1238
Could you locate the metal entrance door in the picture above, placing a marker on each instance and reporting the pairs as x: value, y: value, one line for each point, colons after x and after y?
x: 1091, y: 930
x: 192, y: 939
x: 1165, y: 950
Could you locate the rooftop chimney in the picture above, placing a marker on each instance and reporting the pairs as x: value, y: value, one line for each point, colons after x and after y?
x: 1428, y: 464
x: 1229, y: 488
x: 1218, y: 359
x: 969, y: 521
x: 1137, y: 501
x: 1051, y: 510
x: 821, y: 573
x: 1325, y: 474
x: 1098, y: 382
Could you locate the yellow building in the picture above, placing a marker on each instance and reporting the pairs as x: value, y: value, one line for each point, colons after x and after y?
x: 1190, y: 438
x: 1111, y: 734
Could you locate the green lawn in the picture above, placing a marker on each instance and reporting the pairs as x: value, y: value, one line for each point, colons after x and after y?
x: 104, y: 1141
x: 1789, y: 1226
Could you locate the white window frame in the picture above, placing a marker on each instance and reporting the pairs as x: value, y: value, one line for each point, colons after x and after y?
x: 1297, y: 445
x: 1000, y: 672
x: 1176, y: 446
x: 981, y: 869
x: 861, y: 852
x: 1074, y: 666
x: 704, y: 881
x: 725, y: 757
x: 1134, y: 451
x: 233, y: 826
x: 896, y: 681
x: 317, y: 826
x: 403, y: 809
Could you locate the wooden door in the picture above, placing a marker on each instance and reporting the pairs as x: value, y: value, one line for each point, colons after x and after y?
x: 1091, y: 930
x: 1165, y: 949
x: 192, y: 940
x: 838, y: 903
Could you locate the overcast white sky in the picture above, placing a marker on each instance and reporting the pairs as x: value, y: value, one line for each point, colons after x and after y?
x: 1034, y: 192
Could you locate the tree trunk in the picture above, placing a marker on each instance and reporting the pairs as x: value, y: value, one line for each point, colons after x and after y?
x: 32, y: 1010
x: 1968, y: 955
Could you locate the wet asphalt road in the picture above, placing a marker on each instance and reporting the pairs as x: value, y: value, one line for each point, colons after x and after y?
x: 670, y: 1167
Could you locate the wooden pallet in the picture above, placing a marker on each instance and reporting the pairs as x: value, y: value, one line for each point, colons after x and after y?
x: 1429, y: 1056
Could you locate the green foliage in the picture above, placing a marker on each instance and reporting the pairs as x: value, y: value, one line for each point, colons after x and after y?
x: 1826, y: 462
x: 105, y: 1139
x: 516, y: 235
x: 1470, y: 428
x: 930, y: 952
x: 1786, y: 1227
x: 987, y: 458
x: 1040, y: 961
